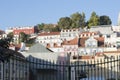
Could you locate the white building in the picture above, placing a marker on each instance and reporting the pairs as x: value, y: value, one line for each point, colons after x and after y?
x: 104, y: 30
x: 90, y: 46
x: 49, y: 38
x: 69, y: 34
x: 116, y: 28
x: 9, y: 30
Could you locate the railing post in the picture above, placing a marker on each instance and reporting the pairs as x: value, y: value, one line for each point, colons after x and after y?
x: 69, y: 72
x: 69, y: 66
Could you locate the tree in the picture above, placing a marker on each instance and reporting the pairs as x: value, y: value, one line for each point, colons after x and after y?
x: 23, y: 37
x: 94, y: 20
x: 10, y: 35
x: 55, y: 29
x: 64, y: 23
x: 78, y: 20
x: 105, y: 20
x: 5, y: 42
x: 40, y: 27
x: 48, y: 27
x: 4, y: 45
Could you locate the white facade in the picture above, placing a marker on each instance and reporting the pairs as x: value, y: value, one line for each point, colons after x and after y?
x: 49, y: 38
x: 9, y: 30
x: 91, y: 47
x: 116, y: 28
x: 112, y: 40
x: 16, y: 39
x: 71, y: 49
x: 102, y: 29
x: 90, y: 50
x: 91, y: 42
x: 69, y: 34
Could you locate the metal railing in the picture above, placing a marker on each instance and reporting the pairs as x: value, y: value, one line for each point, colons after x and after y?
x: 17, y: 68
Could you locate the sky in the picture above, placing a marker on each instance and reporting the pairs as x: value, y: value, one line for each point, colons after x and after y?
x: 15, y: 13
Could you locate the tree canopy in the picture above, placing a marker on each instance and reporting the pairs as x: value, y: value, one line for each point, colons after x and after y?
x: 94, y: 20
x: 5, y: 42
x: 76, y: 20
x: 64, y: 23
x: 105, y: 20
x: 23, y: 37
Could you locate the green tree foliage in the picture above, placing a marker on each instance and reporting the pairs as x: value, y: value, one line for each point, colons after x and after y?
x: 105, y: 20
x: 10, y: 35
x: 55, y: 29
x: 64, y: 23
x: 4, y: 43
x: 78, y: 20
x: 48, y: 27
x: 40, y: 27
x: 94, y: 20
x: 23, y: 37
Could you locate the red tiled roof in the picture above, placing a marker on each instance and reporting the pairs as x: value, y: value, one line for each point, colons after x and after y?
x: 100, y: 39
x: 111, y: 52
x: 47, y: 34
x: 89, y: 32
x: 81, y: 42
x: 71, y: 42
x: 86, y: 57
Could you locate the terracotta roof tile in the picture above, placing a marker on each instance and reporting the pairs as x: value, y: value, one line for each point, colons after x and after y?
x: 86, y: 57
x: 111, y: 52
x: 47, y: 34
x: 100, y: 41
x: 71, y: 42
x: 81, y: 42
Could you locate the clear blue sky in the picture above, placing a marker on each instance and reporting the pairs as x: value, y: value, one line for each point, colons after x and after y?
x: 31, y: 12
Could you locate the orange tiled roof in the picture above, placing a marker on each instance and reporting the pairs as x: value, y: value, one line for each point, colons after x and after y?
x: 86, y: 57
x: 100, y: 41
x: 47, y: 34
x: 111, y: 52
x: 89, y: 32
x: 71, y: 42
x: 81, y: 42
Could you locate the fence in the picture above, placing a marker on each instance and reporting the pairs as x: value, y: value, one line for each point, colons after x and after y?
x: 17, y: 68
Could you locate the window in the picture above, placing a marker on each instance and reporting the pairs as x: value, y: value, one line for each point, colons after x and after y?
x: 108, y: 36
